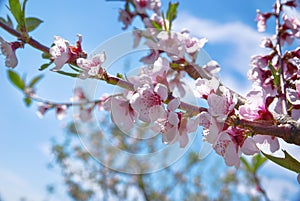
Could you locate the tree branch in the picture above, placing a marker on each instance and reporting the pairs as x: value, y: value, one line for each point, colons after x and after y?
x: 34, y: 43
x: 288, y: 130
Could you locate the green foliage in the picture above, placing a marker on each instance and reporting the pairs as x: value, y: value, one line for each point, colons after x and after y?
x: 44, y: 66
x: 8, y: 21
x: 16, y: 80
x: 16, y: 11
x: 36, y: 79
x: 27, y: 101
x: 172, y: 13
x: 287, y: 162
x: 68, y: 74
x: 257, y: 161
x: 275, y: 74
x: 32, y: 23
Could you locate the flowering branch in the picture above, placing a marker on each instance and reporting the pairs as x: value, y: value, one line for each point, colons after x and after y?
x: 34, y: 43
x: 282, y: 89
x: 289, y: 132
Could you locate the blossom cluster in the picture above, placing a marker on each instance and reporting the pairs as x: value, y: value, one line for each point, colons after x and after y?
x: 150, y: 96
x: 140, y: 8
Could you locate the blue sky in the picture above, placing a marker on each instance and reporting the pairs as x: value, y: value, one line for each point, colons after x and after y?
x: 228, y: 25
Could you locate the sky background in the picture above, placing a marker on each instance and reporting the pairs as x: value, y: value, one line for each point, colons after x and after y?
x: 229, y: 26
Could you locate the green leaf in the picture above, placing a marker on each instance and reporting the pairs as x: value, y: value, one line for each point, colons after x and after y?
x: 46, y: 55
x: 27, y: 101
x: 15, y: 8
x: 35, y: 80
x: 44, y: 66
x: 258, y: 161
x: 32, y: 23
x: 247, y: 165
x: 287, y: 162
x: 24, y: 6
x: 275, y: 74
x: 68, y: 74
x: 156, y: 25
x: 9, y: 22
x: 75, y: 69
x: 16, y: 80
x: 172, y: 13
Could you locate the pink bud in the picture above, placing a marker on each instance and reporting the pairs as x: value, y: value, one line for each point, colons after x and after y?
x: 61, y: 112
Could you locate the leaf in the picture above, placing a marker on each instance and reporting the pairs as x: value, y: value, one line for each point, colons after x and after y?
x: 46, y: 55
x: 172, y: 13
x: 35, y: 80
x: 75, y: 69
x: 9, y: 22
x: 156, y: 25
x: 32, y: 23
x: 44, y: 66
x: 24, y: 6
x: 15, y: 9
x: 247, y: 165
x: 27, y: 101
x: 258, y: 161
x: 16, y: 80
x: 287, y: 162
x: 68, y: 74
x: 275, y: 74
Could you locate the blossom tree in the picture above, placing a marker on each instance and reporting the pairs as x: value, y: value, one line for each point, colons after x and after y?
x: 155, y: 97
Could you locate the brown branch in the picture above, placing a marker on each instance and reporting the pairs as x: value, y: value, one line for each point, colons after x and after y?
x: 32, y: 42
x: 288, y: 130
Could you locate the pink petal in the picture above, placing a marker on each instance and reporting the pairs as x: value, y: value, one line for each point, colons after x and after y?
x: 249, y: 147
x: 162, y: 91
x: 170, y: 136
x: 183, y: 140
x: 173, y: 118
x: 263, y: 141
x: 173, y: 104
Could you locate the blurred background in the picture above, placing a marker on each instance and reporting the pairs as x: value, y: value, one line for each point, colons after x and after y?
x: 43, y: 159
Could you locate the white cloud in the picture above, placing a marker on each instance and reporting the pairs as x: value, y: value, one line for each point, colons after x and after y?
x: 242, y: 39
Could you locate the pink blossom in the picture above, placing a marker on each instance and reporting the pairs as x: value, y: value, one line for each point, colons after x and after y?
x: 293, y: 24
x: 232, y: 143
x: 261, y: 75
x: 261, y: 19
x: 228, y: 150
x: 266, y: 141
x: 173, y: 126
x: 213, y: 68
x: 204, y: 87
x: 221, y: 106
x: 122, y: 113
x: 61, y: 111
x: 147, y: 100
x: 85, y: 114
x: 42, y: 109
x: 60, y: 52
x: 212, y: 127
x: 266, y: 43
x: 125, y: 17
x: 255, y: 108
x: 142, y: 5
x: 150, y: 58
x: 177, y: 83
x: 293, y: 95
x: 92, y: 67
x: 8, y: 50
x: 78, y: 95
